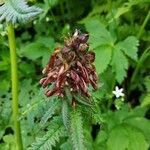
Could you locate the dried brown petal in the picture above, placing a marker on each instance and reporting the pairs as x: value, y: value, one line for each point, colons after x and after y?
x: 90, y: 57
x: 74, y: 76
x: 83, y: 38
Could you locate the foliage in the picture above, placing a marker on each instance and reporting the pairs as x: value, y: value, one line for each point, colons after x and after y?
x: 15, y: 10
x: 119, y: 35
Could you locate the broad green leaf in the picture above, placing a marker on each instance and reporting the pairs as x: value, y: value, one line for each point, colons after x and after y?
x: 136, y: 140
x: 27, y: 68
x: 47, y: 42
x: 118, y: 139
x: 129, y: 47
x: 103, y: 57
x: 42, y: 48
x: 98, y: 34
x: 140, y: 123
x: 34, y: 50
x: 119, y: 63
x: 125, y: 137
x: 101, y: 138
x: 146, y: 100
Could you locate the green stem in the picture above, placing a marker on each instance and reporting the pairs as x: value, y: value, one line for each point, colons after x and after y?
x: 143, y: 25
x: 14, y: 78
x: 141, y: 60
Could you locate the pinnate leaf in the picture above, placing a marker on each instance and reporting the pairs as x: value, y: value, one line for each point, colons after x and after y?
x: 65, y: 114
x: 76, y: 129
x: 50, y: 138
x: 18, y: 11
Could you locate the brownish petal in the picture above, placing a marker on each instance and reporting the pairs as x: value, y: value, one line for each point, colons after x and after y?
x: 83, y: 85
x: 83, y: 38
x: 42, y: 80
x: 51, y: 92
x: 93, y: 83
x: 84, y: 72
x: 74, y: 76
x: 90, y: 56
x: 60, y: 80
x: 61, y: 71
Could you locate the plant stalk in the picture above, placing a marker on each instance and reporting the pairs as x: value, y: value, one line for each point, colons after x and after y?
x: 14, y: 78
x: 143, y: 25
x: 140, y: 62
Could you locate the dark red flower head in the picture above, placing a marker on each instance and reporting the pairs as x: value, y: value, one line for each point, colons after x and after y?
x: 71, y: 67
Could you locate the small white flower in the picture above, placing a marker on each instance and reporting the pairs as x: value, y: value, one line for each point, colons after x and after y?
x: 118, y: 92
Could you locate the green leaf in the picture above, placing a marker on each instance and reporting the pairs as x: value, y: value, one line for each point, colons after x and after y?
x: 47, y: 42
x: 101, y: 138
x: 56, y: 130
x: 17, y: 11
x: 76, y: 129
x: 65, y: 114
x: 27, y: 68
x: 82, y: 100
x: 136, y: 140
x: 140, y: 123
x: 66, y: 146
x: 146, y: 101
x: 124, y: 137
x: 120, y: 12
x: 147, y: 83
x: 103, y: 57
x: 9, y: 139
x: 118, y: 139
x: 34, y: 51
x: 41, y: 48
x: 129, y: 47
x: 119, y: 63
x: 98, y: 34
x: 49, y: 113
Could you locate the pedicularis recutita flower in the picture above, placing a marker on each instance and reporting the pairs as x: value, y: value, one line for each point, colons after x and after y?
x: 71, y: 67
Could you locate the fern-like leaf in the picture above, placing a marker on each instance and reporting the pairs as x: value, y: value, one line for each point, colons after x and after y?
x: 56, y: 130
x: 49, y: 113
x: 65, y: 113
x: 76, y: 130
x: 18, y: 11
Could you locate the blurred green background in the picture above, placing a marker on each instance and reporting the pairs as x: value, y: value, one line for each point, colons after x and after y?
x: 120, y: 36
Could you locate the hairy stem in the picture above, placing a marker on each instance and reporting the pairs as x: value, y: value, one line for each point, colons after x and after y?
x: 143, y: 25
x: 14, y: 78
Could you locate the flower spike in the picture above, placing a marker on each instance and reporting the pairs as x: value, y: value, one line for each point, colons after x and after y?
x: 71, y: 67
